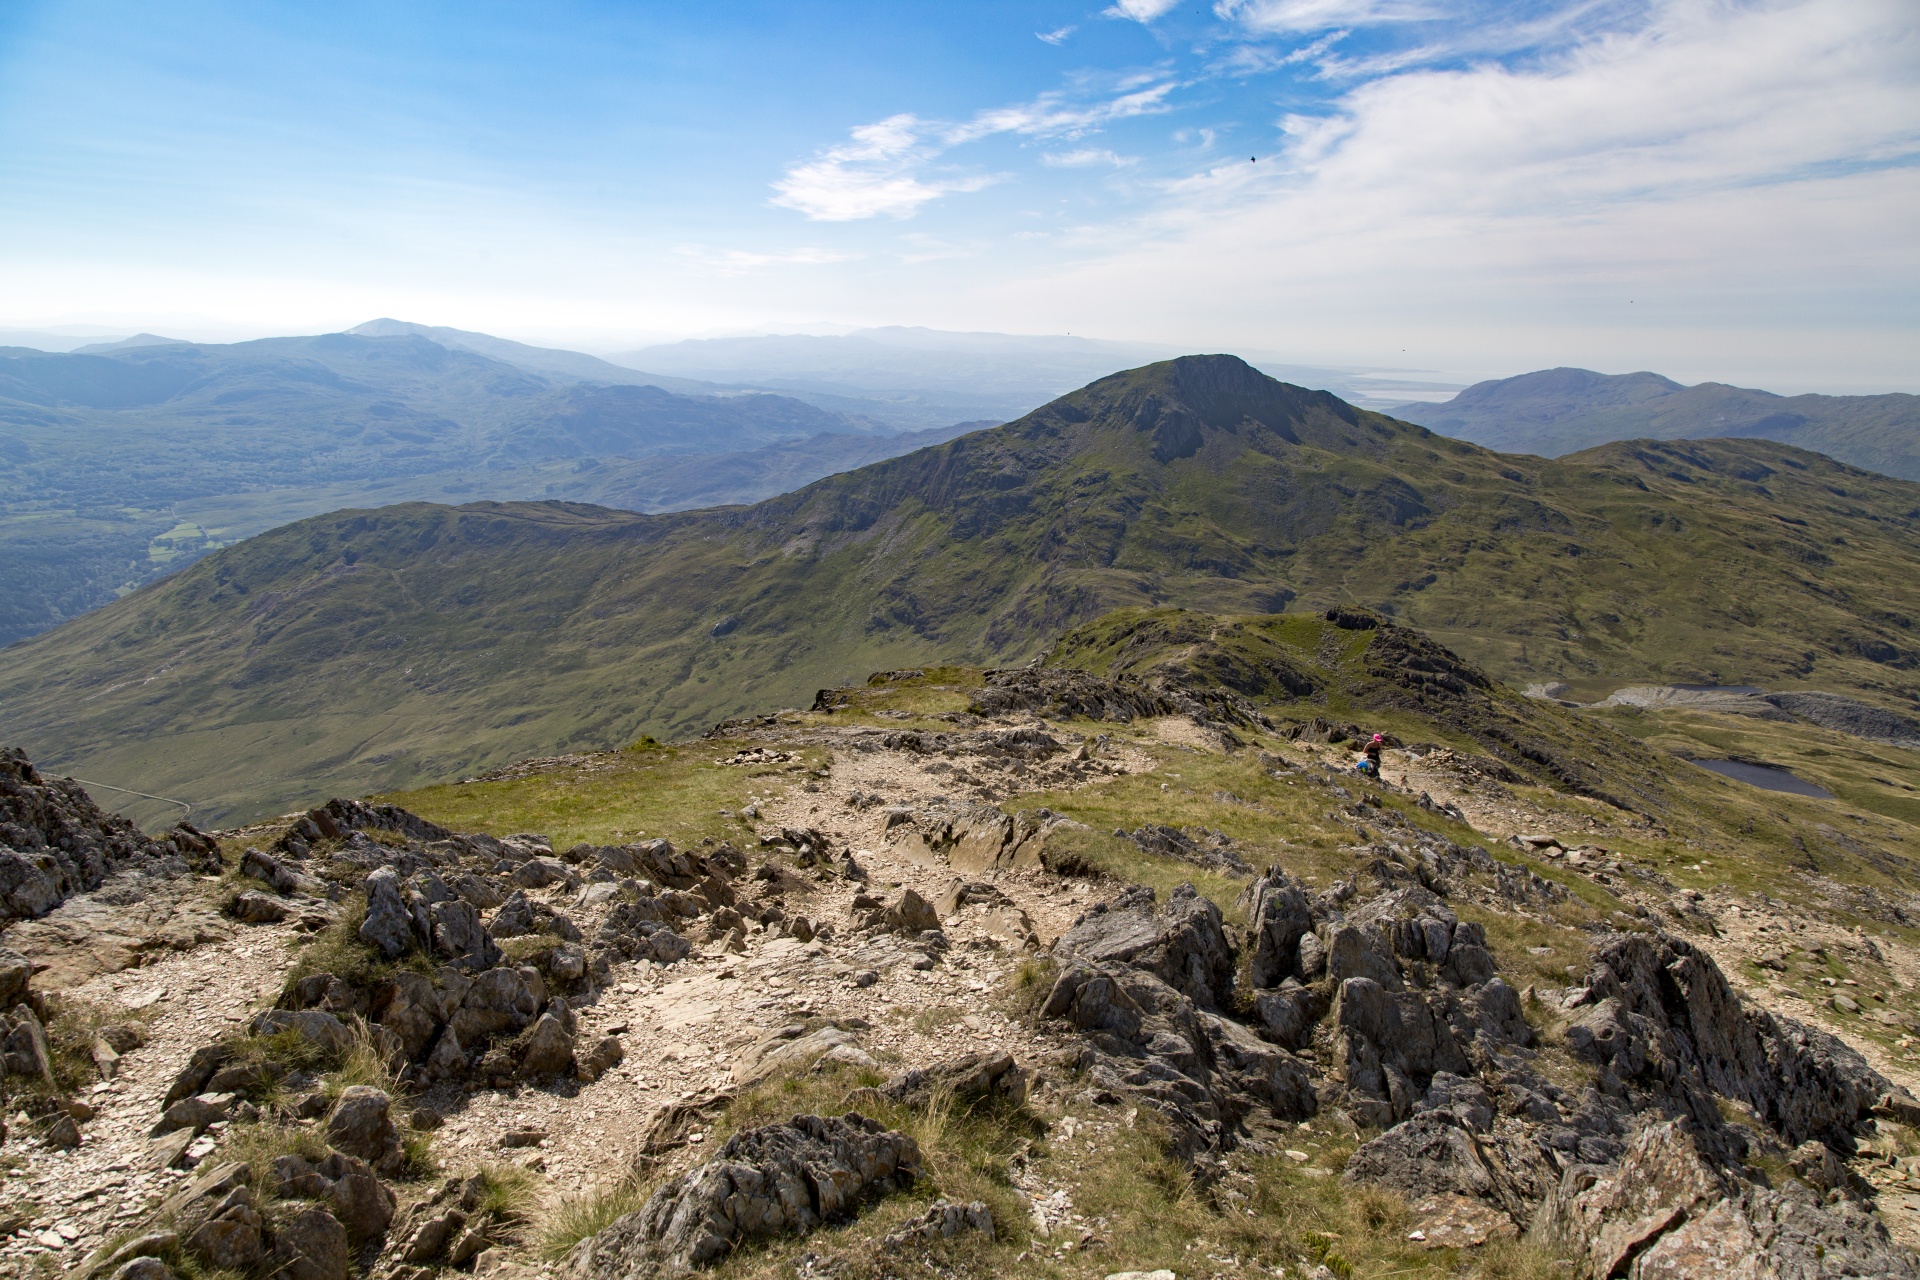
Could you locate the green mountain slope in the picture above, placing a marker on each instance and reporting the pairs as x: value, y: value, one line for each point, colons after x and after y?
x: 370, y: 649
x: 102, y: 453
x: 1559, y: 411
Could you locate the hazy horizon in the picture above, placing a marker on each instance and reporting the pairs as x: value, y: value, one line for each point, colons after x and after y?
x: 1707, y: 190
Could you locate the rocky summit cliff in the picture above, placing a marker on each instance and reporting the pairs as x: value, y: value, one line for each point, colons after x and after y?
x: 417, y: 643
x: 1108, y: 964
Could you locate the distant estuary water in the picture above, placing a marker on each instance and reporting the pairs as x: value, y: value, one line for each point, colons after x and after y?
x: 1767, y: 777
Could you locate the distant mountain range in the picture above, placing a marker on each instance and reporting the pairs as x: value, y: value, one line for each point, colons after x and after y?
x: 373, y: 649
x: 1560, y: 411
x: 127, y: 460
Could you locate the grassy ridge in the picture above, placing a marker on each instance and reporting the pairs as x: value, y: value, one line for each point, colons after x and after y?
x: 370, y: 650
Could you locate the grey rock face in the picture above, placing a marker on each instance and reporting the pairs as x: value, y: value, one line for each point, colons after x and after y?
x: 1184, y: 945
x: 24, y: 1051
x: 1150, y: 1040
x: 1279, y: 917
x: 991, y: 1076
x: 56, y: 842
x: 253, y: 907
x: 1660, y: 1017
x: 15, y: 971
x: 361, y: 1126
x: 1436, y: 1153
x: 1666, y: 1212
x: 315, y: 1025
x: 389, y: 925
x: 549, y: 1047
x: 780, y: 1179
x: 312, y: 1245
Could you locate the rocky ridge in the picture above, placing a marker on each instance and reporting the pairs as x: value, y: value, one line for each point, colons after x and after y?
x: 1625, y: 1120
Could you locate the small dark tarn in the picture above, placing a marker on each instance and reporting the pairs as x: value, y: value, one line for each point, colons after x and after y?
x: 1767, y: 777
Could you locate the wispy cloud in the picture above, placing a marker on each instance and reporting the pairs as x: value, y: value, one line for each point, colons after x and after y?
x: 871, y: 176
x: 1321, y: 15
x: 1056, y: 36
x: 1086, y: 158
x: 888, y: 169
x: 1139, y: 10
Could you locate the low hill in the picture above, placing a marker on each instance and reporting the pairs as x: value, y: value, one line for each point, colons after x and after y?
x: 369, y: 649
x: 1560, y: 411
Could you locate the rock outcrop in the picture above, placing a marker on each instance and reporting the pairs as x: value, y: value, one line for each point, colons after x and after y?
x: 56, y: 842
x: 780, y: 1179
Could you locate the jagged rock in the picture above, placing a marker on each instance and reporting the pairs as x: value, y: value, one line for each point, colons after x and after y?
x: 252, y: 907
x: 409, y: 1007
x: 1144, y: 989
x: 56, y: 842
x: 1278, y: 918
x: 458, y: 935
x: 361, y: 1126
x: 775, y: 1180
x: 15, y: 971
x: 311, y: 1245
x: 1184, y: 945
x: 194, y: 1113
x: 943, y: 1220
x: 549, y: 1046
x: 24, y: 1052
x: 908, y: 913
x: 1209, y: 849
x: 1667, y: 1213
x: 977, y: 1076
x: 1433, y: 1153
x: 795, y: 1047
x: 280, y: 877
x: 345, y: 1185
x: 1658, y: 1015
x: 193, y: 1077
x: 499, y: 1000
x: 538, y: 873
x: 313, y: 1025
x: 389, y: 925
x: 231, y: 1237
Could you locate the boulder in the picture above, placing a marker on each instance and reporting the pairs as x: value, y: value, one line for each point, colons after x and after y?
x: 1436, y: 1153
x: 389, y: 924
x: 780, y: 1179
x: 411, y: 1009
x: 143, y: 1268
x: 499, y: 1000
x: 1658, y: 1014
x: 316, y: 1026
x: 1278, y: 918
x: 1666, y: 1211
x: 459, y: 936
x: 362, y: 1127
x: 795, y: 1047
x: 537, y: 873
x: 231, y: 1239
x: 908, y: 913
x: 254, y: 907
x: 1184, y: 944
x: 311, y: 1245
x: 606, y: 1054
x: 990, y: 1076
x: 549, y: 1046
x: 15, y: 971
x: 346, y: 1187
x: 24, y: 1052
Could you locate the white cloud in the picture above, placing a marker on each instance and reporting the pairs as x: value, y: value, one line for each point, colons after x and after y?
x: 884, y: 169
x: 1056, y: 36
x: 1085, y: 158
x: 871, y: 176
x: 1319, y: 15
x: 1725, y: 168
x: 1139, y: 10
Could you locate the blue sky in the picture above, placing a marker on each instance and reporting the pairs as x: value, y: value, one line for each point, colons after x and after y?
x: 1713, y: 188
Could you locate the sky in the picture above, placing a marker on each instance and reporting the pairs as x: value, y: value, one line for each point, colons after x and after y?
x: 1714, y: 189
